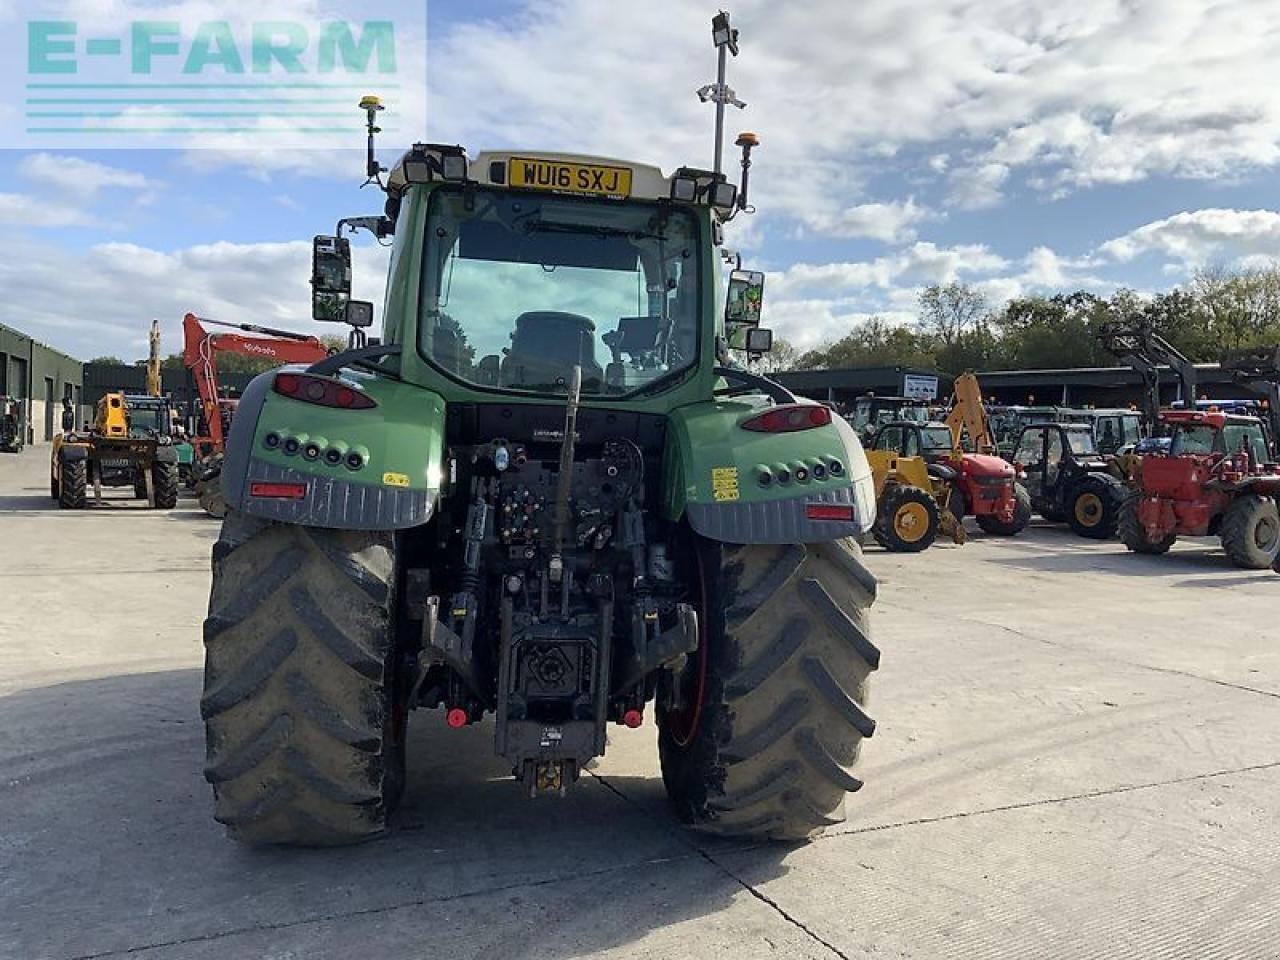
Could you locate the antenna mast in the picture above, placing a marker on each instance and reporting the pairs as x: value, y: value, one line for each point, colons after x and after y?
x: 725, y: 38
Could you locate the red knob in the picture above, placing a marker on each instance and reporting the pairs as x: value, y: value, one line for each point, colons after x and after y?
x: 457, y: 717
x: 633, y: 718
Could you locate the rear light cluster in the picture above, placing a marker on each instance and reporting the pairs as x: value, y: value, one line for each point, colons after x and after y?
x: 788, y: 418
x: 323, y: 391
x: 800, y: 472
x: 317, y: 449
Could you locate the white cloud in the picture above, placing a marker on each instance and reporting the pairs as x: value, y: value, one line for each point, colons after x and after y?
x: 101, y: 301
x: 18, y: 209
x: 1202, y: 236
x: 891, y: 222
x: 1097, y: 91
x: 978, y: 187
x: 79, y: 177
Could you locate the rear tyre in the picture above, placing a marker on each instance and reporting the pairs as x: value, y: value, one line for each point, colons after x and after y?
x: 1093, y: 507
x: 1251, y: 532
x: 303, y: 704
x: 53, y: 487
x: 774, y: 698
x: 1134, y: 535
x: 164, y: 480
x: 74, y: 485
x: 907, y: 520
x: 139, y: 485
x: 1021, y: 515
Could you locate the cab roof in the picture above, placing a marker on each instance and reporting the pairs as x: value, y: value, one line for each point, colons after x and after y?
x: 1213, y: 419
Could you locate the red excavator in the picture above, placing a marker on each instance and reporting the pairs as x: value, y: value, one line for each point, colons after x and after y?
x: 199, y: 354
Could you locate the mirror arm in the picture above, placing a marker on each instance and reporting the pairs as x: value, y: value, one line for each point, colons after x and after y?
x: 776, y: 391
x: 331, y: 365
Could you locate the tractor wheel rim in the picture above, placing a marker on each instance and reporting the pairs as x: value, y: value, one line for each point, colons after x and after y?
x: 911, y: 521
x: 1266, y: 533
x: 1089, y: 509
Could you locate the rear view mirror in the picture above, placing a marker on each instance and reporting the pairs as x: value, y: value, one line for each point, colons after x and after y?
x: 330, y: 278
x: 359, y: 313
x: 746, y: 297
x: 759, y: 340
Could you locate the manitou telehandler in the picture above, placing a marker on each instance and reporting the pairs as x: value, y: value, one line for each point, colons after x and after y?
x: 540, y: 500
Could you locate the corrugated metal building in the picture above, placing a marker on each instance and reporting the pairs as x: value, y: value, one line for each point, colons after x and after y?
x: 40, y: 377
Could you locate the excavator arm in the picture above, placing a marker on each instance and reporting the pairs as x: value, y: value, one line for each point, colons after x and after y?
x: 155, y: 387
x: 200, y: 350
x: 969, y: 415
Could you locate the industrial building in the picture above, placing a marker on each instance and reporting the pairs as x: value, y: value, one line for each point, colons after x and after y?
x: 40, y: 378
x: 1082, y: 386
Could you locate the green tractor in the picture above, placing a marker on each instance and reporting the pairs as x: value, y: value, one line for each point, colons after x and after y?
x: 548, y: 494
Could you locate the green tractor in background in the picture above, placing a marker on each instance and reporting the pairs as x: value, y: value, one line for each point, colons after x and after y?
x: 546, y: 493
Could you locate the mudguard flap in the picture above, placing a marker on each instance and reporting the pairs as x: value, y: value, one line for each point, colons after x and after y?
x: 399, y: 444
x: 71, y: 452
x: 741, y: 486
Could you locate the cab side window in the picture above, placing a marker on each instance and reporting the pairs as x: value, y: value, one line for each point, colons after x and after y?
x: 910, y: 443
x: 890, y: 438
x: 1053, y: 455
x: 1030, y: 450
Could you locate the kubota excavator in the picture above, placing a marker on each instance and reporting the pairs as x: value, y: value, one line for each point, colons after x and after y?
x: 199, y: 354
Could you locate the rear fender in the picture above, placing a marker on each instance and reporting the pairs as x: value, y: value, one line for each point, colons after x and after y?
x: 725, y: 480
x: 398, y: 445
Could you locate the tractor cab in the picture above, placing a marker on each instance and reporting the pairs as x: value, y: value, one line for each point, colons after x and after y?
x: 910, y: 438
x: 1113, y: 430
x: 1216, y: 434
x: 870, y: 413
x: 1068, y: 478
x: 1007, y: 421
x: 148, y: 417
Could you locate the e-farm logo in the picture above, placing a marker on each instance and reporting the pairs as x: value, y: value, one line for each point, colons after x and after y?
x: 53, y: 47
x: 157, y: 81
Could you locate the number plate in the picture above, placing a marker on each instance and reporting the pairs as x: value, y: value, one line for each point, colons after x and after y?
x: 561, y: 177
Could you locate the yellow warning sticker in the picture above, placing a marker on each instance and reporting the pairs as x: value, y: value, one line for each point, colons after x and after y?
x: 395, y: 479
x: 724, y: 483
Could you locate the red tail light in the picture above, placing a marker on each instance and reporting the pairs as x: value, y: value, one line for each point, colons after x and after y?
x: 321, y: 391
x: 278, y: 491
x: 789, y: 417
x: 829, y: 511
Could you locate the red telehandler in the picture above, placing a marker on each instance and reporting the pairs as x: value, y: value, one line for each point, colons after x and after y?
x: 199, y: 354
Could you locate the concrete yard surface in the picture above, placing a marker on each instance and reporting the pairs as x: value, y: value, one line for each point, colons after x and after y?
x: 1078, y: 755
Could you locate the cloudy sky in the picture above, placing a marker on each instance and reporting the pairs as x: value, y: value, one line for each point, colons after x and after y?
x: 1020, y: 145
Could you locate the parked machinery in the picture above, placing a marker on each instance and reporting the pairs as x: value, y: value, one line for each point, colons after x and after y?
x: 1069, y: 479
x: 1216, y: 478
x: 130, y: 443
x: 869, y: 413
x: 915, y: 500
x: 13, y: 424
x: 987, y: 484
x: 1114, y: 430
